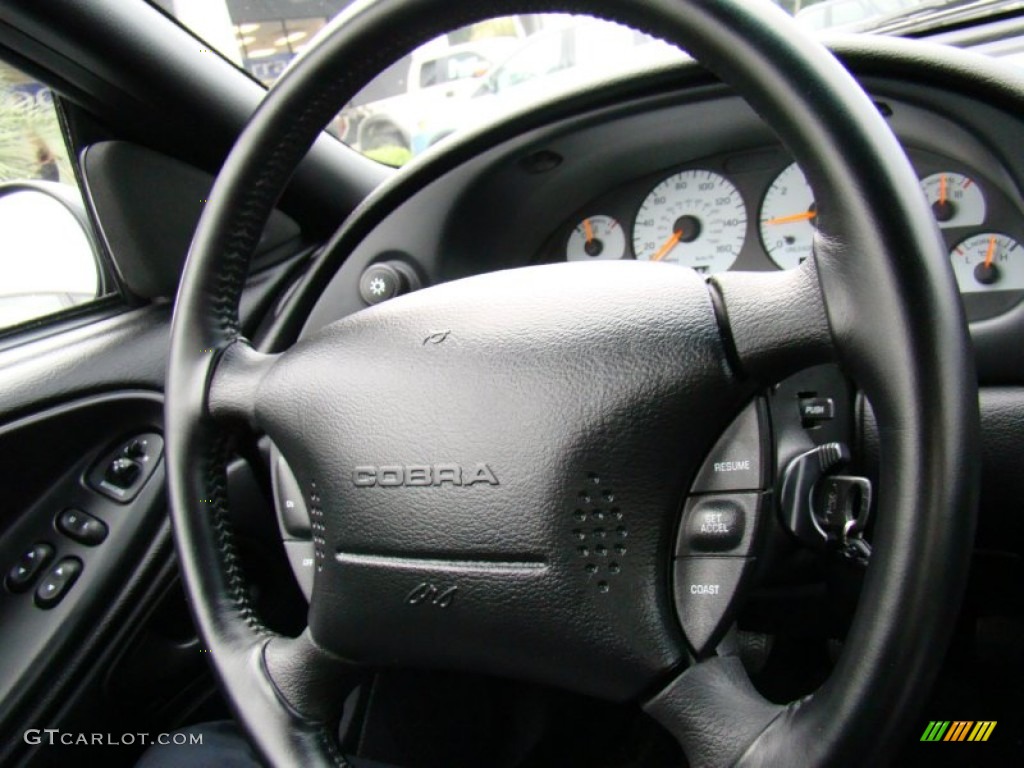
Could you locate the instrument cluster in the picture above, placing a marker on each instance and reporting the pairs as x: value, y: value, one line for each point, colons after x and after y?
x: 755, y: 211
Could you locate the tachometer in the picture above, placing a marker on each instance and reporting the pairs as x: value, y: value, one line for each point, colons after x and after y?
x: 955, y: 199
x: 693, y: 218
x: 597, y: 237
x: 787, y: 219
x: 989, y: 262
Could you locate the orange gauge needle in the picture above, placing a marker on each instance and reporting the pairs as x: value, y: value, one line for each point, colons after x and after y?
x: 805, y: 216
x: 671, y: 243
x: 588, y: 230
x: 991, y: 251
x: 942, y: 189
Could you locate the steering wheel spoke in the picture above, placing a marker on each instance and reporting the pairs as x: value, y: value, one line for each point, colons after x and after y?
x: 310, y: 680
x: 234, y: 383
x: 713, y: 711
x: 777, y: 321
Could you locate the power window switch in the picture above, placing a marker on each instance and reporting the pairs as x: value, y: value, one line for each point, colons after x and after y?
x: 57, y: 582
x: 25, y: 571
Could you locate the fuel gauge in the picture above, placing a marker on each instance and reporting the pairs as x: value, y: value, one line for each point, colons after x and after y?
x: 988, y: 262
x: 956, y: 200
x: 598, y: 237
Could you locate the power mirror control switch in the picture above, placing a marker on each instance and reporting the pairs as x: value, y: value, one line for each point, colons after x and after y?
x: 121, y: 473
x: 706, y: 590
x: 736, y: 463
x: 83, y: 528
x: 25, y: 571
x: 137, y: 448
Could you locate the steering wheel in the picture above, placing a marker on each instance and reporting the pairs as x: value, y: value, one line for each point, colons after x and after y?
x: 447, y: 441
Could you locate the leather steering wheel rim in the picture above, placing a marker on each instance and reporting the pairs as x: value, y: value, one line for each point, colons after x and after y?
x: 878, y: 297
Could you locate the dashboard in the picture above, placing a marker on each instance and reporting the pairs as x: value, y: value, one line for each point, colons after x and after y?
x: 678, y: 170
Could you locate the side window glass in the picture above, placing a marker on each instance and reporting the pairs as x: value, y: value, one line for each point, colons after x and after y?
x: 48, y: 258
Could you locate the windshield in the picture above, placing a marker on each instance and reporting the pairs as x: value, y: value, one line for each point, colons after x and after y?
x: 472, y: 75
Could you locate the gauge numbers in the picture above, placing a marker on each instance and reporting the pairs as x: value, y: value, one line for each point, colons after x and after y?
x: 955, y: 199
x: 787, y: 219
x: 694, y: 218
x: 988, y: 262
x: 598, y: 237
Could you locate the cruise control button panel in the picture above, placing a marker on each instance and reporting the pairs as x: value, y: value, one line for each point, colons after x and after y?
x: 705, y: 595
x: 737, y: 462
x: 82, y: 527
x: 58, y: 581
x: 27, y: 569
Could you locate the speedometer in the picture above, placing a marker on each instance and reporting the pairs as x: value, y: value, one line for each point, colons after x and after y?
x: 693, y: 218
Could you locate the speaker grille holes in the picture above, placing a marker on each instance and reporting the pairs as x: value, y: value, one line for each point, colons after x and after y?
x: 316, y: 523
x: 600, y: 541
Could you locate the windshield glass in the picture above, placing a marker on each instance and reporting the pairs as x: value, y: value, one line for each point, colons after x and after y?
x: 471, y: 75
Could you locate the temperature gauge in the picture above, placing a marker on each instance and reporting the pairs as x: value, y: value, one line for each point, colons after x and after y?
x: 955, y: 199
x: 599, y: 237
x: 988, y: 262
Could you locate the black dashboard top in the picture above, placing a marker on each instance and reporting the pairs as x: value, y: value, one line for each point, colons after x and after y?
x: 513, y: 194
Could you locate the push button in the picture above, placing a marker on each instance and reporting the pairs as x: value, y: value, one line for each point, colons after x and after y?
x: 21, y: 576
x: 718, y: 525
x: 705, y: 596
x: 736, y: 463
x: 57, y: 582
x: 290, y: 505
x: 81, y: 527
x: 302, y: 558
x: 816, y: 410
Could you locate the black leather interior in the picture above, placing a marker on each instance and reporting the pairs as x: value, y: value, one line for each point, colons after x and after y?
x: 897, y: 327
